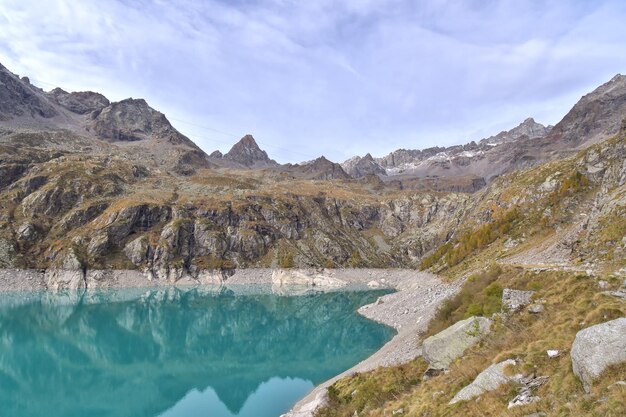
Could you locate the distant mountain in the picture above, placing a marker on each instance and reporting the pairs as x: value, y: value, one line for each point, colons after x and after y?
x: 246, y: 153
x: 460, y: 167
x: 319, y: 169
x: 595, y: 117
x: 132, y: 128
x: 361, y: 167
x: 86, y: 183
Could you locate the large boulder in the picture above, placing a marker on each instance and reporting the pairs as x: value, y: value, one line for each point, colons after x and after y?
x: 446, y: 346
x: 598, y: 347
x: 488, y: 380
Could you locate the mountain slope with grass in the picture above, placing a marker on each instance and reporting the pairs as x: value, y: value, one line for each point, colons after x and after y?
x: 554, y: 232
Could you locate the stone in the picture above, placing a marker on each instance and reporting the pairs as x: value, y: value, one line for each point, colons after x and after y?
x: 598, y: 347
x: 27, y: 232
x: 536, y: 308
x: 525, y: 392
x: 514, y: 300
x: 137, y: 250
x: 488, y: 380
x: 553, y: 353
x: 441, y: 349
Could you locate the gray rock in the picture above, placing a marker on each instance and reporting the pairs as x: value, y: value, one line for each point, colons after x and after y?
x: 513, y: 300
x: 598, y: 347
x: 536, y: 308
x: 446, y: 346
x: 525, y: 394
x: 7, y: 254
x: 64, y: 279
x: 137, y: 250
x: 27, y: 232
x: 488, y: 380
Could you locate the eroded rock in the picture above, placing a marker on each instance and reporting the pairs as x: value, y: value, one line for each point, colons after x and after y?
x: 488, y: 380
x: 598, y: 347
x: 446, y: 346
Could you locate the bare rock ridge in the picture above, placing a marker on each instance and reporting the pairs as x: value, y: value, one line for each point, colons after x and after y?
x: 143, y: 133
x: 321, y: 169
x: 595, y: 117
x: 361, y: 167
x: 133, y: 120
x: 83, y: 102
x: 18, y: 98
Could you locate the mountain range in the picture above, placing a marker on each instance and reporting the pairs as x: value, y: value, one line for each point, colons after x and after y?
x: 89, y: 183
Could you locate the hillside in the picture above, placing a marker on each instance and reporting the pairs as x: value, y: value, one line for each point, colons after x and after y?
x: 555, y: 234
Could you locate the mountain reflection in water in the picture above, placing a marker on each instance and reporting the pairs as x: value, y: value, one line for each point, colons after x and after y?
x: 172, y: 352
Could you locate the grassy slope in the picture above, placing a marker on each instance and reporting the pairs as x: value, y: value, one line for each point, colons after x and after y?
x: 517, y: 210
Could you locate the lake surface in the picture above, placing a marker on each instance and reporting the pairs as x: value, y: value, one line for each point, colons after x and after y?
x: 174, y: 353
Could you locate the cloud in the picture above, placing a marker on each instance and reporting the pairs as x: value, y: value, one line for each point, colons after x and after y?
x: 325, y: 77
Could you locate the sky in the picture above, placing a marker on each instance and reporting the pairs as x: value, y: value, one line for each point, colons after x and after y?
x: 324, y: 77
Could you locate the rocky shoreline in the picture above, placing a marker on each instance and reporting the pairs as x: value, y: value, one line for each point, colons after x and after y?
x: 408, y: 310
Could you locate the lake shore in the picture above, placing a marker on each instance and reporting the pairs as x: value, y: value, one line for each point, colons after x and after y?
x: 408, y: 310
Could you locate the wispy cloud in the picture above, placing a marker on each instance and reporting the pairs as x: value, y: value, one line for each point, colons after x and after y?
x: 325, y: 77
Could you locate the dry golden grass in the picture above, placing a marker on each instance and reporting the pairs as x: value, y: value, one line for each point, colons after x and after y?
x: 571, y: 303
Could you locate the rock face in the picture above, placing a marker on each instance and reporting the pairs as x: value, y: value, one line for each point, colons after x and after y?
x: 133, y: 120
x: 488, y: 380
x: 528, y: 128
x: 19, y: 98
x: 322, y: 169
x: 514, y: 300
x: 247, y: 153
x: 480, y: 161
x: 443, y: 348
x: 598, y: 347
x: 360, y: 167
x: 596, y: 116
x: 79, y: 102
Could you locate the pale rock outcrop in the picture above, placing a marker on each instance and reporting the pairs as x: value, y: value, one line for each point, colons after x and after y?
x: 598, y: 347
x: 137, y: 250
x: 282, y: 277
x: 68, y: 276
x: 513, y: 300
x: 446, y: 346
x: 488, y: 380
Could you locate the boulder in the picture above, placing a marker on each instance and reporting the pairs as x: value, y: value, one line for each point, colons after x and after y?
x: 598, y: 347
x: 138, y: 250
x: 446, y: 346
x: 515, y: 299
x: 488, y: 380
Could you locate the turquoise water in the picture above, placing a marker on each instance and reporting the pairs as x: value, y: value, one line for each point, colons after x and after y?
x: 173, y: 353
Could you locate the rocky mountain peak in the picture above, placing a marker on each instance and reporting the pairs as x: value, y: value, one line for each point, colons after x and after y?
x: 132, y: 120
x: 79, y: 102
x: 248, y: 153
x: 323, y: 169
x: 358, y: 167
x: 19, y: 98
x: 595, y: 117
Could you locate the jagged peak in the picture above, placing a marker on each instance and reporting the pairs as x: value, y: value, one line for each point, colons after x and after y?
x: 247, y: 152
